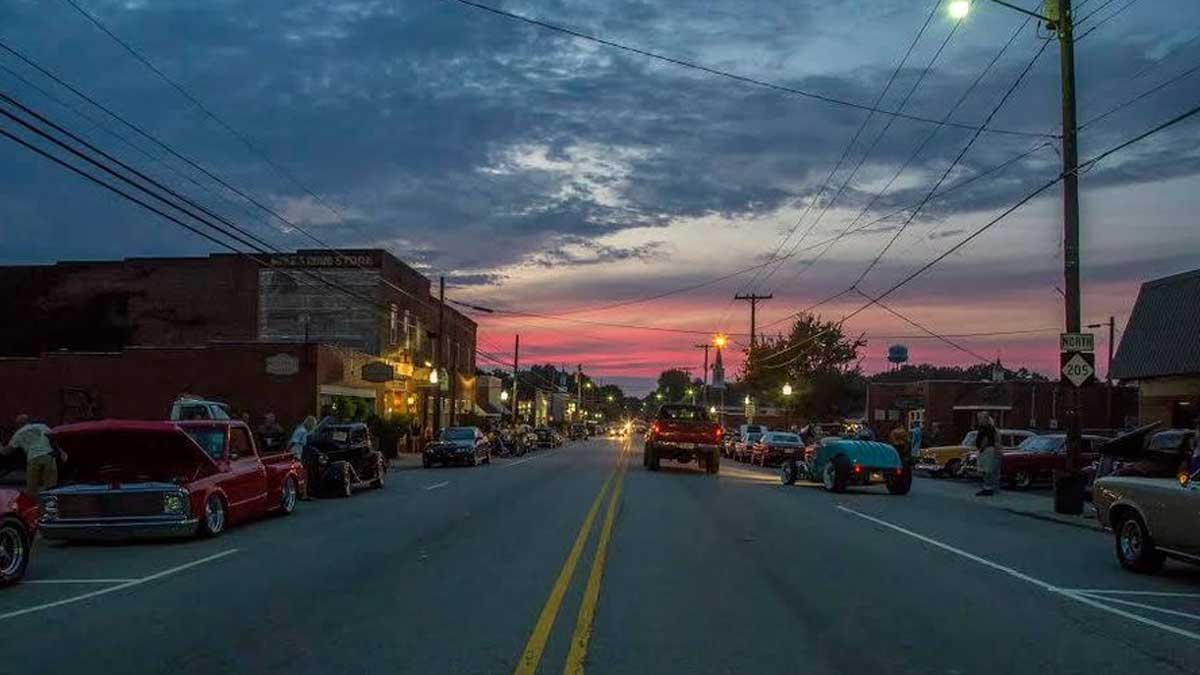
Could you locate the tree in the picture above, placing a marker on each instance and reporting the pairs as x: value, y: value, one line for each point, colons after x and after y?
x: 672, y: 384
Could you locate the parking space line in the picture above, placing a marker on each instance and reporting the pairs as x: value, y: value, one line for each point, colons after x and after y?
x: 1130, y: 603
x: 437, y: 485
x: 78, y: 581
x: 119, y: 587
x: 1073, y: 595
x: 1102, y: 592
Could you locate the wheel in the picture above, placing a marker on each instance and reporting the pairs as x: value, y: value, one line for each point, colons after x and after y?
x: 288, y: 495
x: 652, y: 459
x: 1021, y: 480
x: 474, y: 461
x: 836, y: 473
x: 899, y: 484
x: 953, y: 468
x: 426, y: 463
x: 345, y: 486
x: 212, y: 524
x: 713, y: 465
x: 1135, y: 549
x: 487, y: 457
x: 646, y: 457
x: 787, y: 473
x: 380, y: 469
x: 14, y: 551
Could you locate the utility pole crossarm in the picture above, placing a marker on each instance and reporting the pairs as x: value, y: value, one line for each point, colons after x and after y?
x: 753, y: 299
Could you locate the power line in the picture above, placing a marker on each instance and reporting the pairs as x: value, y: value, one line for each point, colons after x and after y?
x: 912, y: 322
x: 1105, y: 20
x: 1139, y: 97
x: 722, y: 73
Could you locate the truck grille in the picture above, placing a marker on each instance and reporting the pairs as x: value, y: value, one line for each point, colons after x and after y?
x: 110, y: 504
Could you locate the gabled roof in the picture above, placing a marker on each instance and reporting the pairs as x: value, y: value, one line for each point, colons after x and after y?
x: 1163, y: 335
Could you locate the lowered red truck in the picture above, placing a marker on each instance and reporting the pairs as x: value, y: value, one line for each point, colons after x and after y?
x: 682, y: 433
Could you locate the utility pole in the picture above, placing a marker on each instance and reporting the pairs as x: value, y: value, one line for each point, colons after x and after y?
x: 753, y: 300
x: 706, y: 346
x: 578, y: 392
x: 516, y: 362
x: 438, y: 356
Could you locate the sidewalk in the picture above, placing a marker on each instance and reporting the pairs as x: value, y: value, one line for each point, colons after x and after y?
x: 1032, y: 504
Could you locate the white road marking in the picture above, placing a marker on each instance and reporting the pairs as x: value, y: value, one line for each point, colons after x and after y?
x: 1074, y: 595
x: 78, y: 581
x: 437, y: 485
x: 119, y: 587
x: 1164, y: 610
x: 1102, y: 592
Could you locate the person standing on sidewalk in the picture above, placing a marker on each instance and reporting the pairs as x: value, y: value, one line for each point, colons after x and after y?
x: 899, y: 440
x: 914, y: 438
x: 41, y: 459
x: 989, y: 455
x: 300, y: 436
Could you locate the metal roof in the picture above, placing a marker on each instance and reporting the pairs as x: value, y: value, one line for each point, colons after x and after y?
x: 1163, y: 335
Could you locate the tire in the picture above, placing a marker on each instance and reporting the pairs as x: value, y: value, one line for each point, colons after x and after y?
x: 836, y: 474
x: 15, y: 545
x: 1135, y: 548
x: 652, y: 460
x: 713, y: 465
x: 487, y: 457
x: 953, y: 468
x: 345, y: 486
x: 380, y: 469
x: 426, y: 463
x: 900, y: 484
x: 289, y: 493
x: 1021, y: 480
x: 214, y: 518
x: 787, y: 473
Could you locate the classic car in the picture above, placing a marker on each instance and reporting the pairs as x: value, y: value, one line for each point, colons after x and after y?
x: 1151, y: 518
x: 1148, y: 452
x: 135, y: 479
x: 747, y: 436
x: 194, y: 408
x: 682, y: 433
x: 949, y: 460
x: 18, y: 523
x: 340, y: 458
x: 774, y: 446
x: 1036, y: 458
x: 458, y: 445
x: 839, y: 462
x: 547, y: 437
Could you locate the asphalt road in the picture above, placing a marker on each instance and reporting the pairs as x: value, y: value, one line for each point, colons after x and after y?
x: 495, y: 569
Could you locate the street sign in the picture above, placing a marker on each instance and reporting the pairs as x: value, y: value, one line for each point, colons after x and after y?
x: 1076, y: 342
x: 1078, y: 369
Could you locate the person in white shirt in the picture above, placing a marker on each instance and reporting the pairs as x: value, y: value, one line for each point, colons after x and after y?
x: 41, y: 467
x: 300, y: 435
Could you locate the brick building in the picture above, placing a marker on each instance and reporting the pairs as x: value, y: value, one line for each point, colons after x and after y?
x: 109, y: 306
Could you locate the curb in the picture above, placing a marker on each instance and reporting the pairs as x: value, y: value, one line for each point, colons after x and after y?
x: 1083, y: 522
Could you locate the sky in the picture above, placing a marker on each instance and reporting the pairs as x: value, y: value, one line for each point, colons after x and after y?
x: 546, y: 174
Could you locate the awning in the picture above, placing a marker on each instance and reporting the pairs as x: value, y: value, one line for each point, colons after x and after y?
x: 489, y: 410
x: 339, y: 390
x: 983, y: 407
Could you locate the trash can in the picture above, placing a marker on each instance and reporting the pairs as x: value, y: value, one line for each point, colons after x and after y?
x: 1069, y: 492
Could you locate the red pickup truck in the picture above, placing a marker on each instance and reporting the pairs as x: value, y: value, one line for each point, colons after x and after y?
x: 682, y: 432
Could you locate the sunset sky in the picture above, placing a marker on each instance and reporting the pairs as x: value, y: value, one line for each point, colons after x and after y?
x: 546, y: 174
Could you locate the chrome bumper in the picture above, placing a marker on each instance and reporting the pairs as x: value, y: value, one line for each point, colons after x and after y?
x: 152, y: 527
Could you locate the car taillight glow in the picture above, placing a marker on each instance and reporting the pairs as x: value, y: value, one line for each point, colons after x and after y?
x: 857, y: 468
x: 654, y: 428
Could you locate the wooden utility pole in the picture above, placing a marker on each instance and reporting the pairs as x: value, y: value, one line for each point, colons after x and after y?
x: 753, y: 300
x: 438, y: 356
x: 579, y: 392
x: 516, y: 363
x: 706, y: 346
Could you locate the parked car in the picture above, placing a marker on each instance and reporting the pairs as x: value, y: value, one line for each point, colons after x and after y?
x: 578, y: 432
x: 774, y: 446
x: 547, y: 438
x: 458, y: 445
x: 1148, y: 452
x: 1037, y: 457
x: 1151, y: 518
x: 340, y: 458
x: 950, y: 460
x: 194, y: 408
x: 18, y: 524
x: 748, y: 435
x: 839, y: 462
x: 682, y: 433
x: 135, y: 479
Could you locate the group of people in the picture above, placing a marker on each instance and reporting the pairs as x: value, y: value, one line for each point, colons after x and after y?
x: 271, y: 433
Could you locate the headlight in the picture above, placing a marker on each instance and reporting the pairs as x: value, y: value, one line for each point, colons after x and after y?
x: 322, y: 459
x: 174, y: 503
x: 49, y: 509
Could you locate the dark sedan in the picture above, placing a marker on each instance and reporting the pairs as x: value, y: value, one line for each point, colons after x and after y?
x: 774, y: 446
x: 458, y: 445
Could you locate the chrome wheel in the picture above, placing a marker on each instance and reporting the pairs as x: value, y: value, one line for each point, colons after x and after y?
x: 827, y: 476
x: 12, y: 551
x: 214, y: 515
x: 1131, y: 540
x: 288, y: 501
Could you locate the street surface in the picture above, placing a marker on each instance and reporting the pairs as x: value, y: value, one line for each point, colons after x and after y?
x: 494, y: 569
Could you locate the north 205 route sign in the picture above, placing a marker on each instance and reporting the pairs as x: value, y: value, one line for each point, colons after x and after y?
x: 1077, y: 362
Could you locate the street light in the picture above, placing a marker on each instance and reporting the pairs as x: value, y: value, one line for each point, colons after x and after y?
x: 610, y: 398
x: 433, y: 376
x: 712, y: 410
x: 658, y: 395
x: 787, y: 389
x: 719, y: 341
x: 747, y: 399
x: 959, y: 9
x: 787, y: 408
x: 504, y: 395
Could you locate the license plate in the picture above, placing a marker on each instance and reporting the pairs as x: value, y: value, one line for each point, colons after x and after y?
x: 339, y: 436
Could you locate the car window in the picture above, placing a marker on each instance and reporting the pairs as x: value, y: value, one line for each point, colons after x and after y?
x: 220, y: 413
x: 210, y: 439
x: 239, y: 443
x: 785, y: 438
x: 193, y: 412
x: 969, y: 439
x: 458, y: 434
x: 1042, y: 444
x: 682, y: 412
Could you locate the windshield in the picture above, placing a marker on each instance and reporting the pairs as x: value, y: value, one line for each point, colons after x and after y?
x: 211, y: 440
x: 682, y: 412
x: 459, y: 434
x: 969, y: 439
x: 1042, y: 444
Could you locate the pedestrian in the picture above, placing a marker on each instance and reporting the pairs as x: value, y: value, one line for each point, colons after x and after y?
x: 914, y: 438
x: 989, y: 455
x: 270, y: 433
x: 899, y: 440
x: 41, y: 459
x: 300, y: 436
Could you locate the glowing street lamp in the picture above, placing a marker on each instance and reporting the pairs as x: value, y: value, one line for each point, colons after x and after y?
x: 433, y: 376
x: 504, y: 395
x: 719, y: 341
x: 610, y: 398
x: 787, y: 389
x: 658, y: 395
x: 959, y: 9
x: 712, y: 410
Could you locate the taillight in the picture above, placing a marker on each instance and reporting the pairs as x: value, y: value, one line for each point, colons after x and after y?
x: 719, y: 432
x: 654, y: 428
x: 899, y: 472
x: 857, y: 468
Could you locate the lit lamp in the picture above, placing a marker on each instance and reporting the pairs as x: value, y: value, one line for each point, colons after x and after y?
x: 712, y: 410
x: 959, y: 9
x: 787, y: 389
x: 433, y: 376
x: 504, y: 395
x: 747, y: 401
x: 719, y: 341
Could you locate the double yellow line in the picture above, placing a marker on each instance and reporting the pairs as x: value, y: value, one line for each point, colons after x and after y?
x: 532, y: 655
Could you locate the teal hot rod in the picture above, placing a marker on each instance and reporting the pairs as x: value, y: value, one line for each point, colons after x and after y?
x: 839, y: 462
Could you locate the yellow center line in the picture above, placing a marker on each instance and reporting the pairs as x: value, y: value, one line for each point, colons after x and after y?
x: 591, y: 593
x: 541, y: 630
